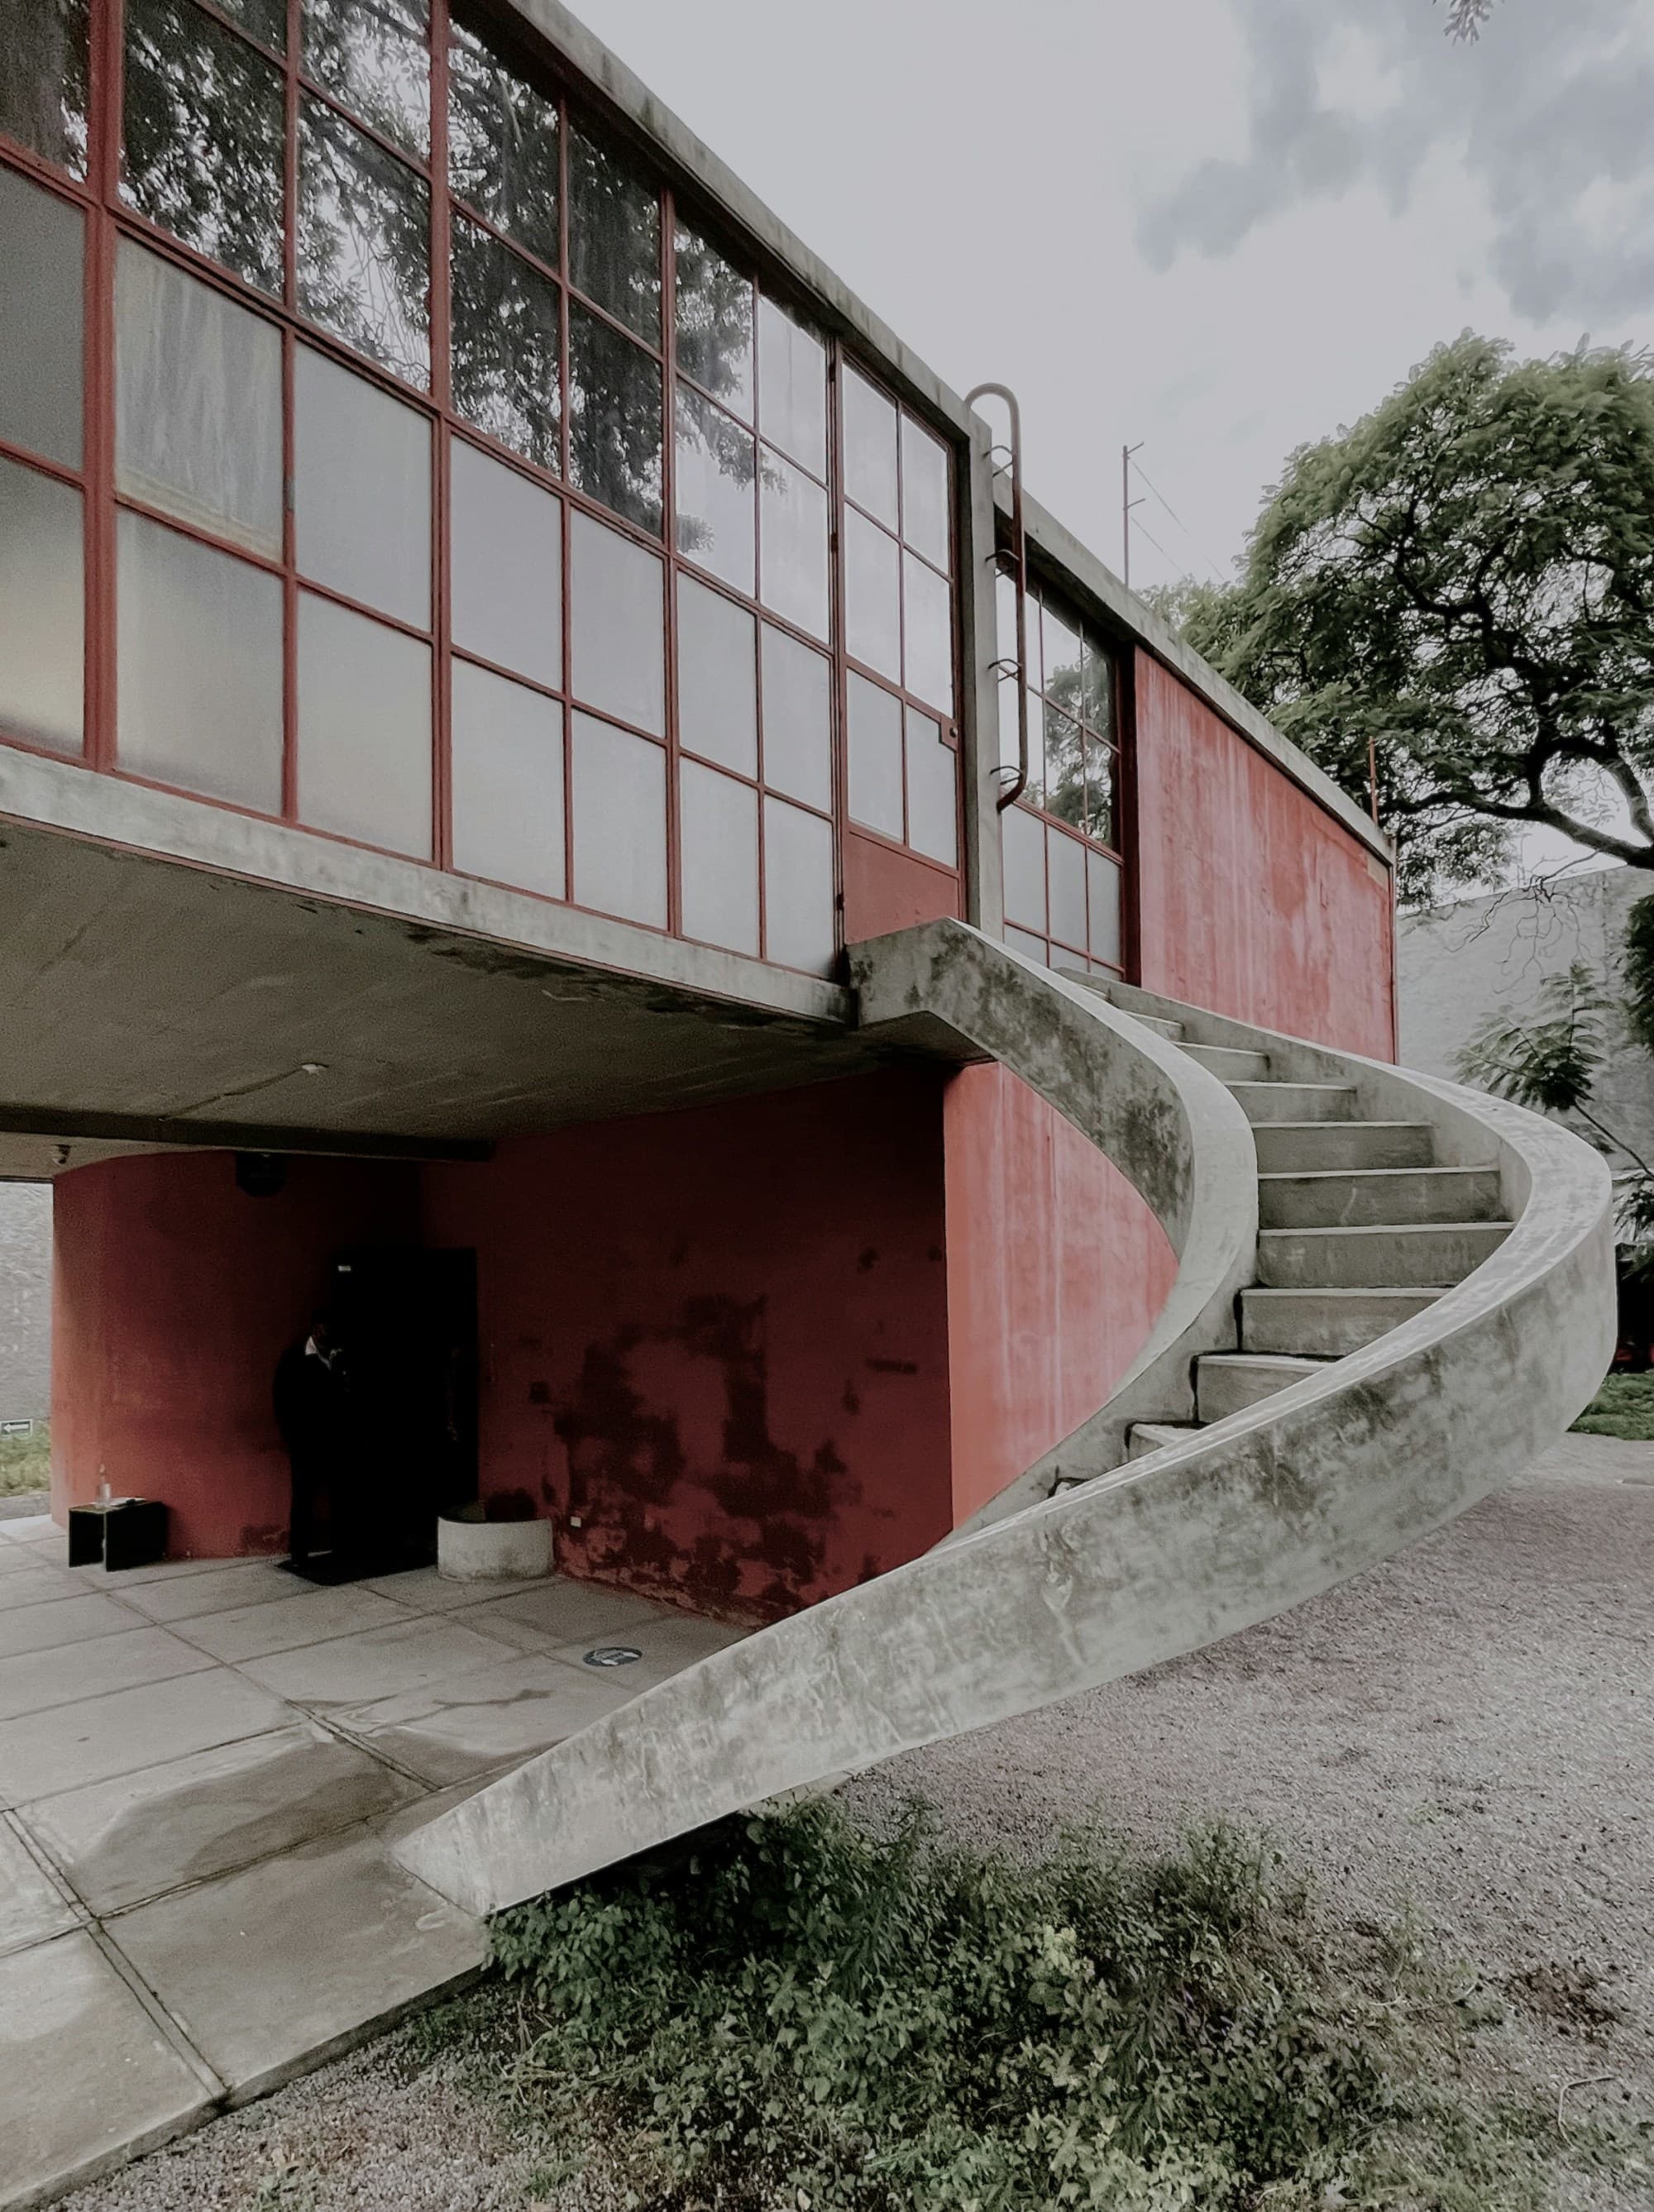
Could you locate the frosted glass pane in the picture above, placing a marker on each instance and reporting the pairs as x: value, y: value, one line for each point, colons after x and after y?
x: 799, y: 917
x: 1103, y: 877
x: 717, y: 686
x: 716, y: 495
x: 925, y: 520
x: 932, y: 792
x: 791, y: 388
x: 927, y: 633
x: 873, y: 610
x: 362, y: 496
x: 41, y: 243
x: 505, y: 581
x: 793, y: 544
x: 620, y: 822
x: 615, y: 625
x: 198, y: 403
x: 508, y: 781
x: 798, y: 751
x: 198, y: 660
x: 718, y: 845
x: 874, y: 733
x: 364, y: 729
x: 869, y: 447
x: 1066, y: 859
x: 42, y: 610
x: 1023, y: 846
x: 1031, y: 948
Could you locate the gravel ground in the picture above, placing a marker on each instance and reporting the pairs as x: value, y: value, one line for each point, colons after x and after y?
x: 1465, y: 1730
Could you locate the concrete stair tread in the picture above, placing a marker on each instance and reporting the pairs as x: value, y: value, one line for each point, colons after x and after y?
x: 1344, y: 1175
x: 1146, y: 1437
x: 1228, y: 1383
x: 1231, y: 1062
x: 1342, y: 1148
x: 1327, y: 1324
x: 1365, y: 1198
x: 1295, y: 1360
x: 1395, y: 1255
x: 1272, y: 1103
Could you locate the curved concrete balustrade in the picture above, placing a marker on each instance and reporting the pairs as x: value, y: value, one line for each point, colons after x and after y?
x: 1130, y: 1565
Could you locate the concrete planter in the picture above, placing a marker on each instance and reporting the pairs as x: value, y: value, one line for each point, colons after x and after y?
x: 471, y: 1550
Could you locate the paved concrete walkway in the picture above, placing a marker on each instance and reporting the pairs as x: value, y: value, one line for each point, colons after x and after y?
x: 200, y: 1766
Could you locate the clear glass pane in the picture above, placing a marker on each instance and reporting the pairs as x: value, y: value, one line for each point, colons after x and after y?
x: 718, y: 858
x: 198, y: 403
x: 1065, y: 767
x: 508, y: 781
x: 505, y: 565
x: 793, y: 544
x: 1032, y: 642
x: 43, y: 85
x: 873, y: 605
x: 42, y: 242
x: 502, y: 145
x: 1100, y: 792
x: 614, y: 237
x: 717, y: 685
x: 1066, y: 858
x: 1103, y: 879
x: 619, y: 785
x: 615, y: 625
x: 1031, y: 948
x: 42, y: 610
x: 800, y: 919
x: 926, y: 522
x: 364, y: 244
x: 1096, y: 689
x: 1062, y: 660
x: 791, y: 388
x: 614, y: 420
x: 199, y: 666
x: 714, y: 307
x: 1022, y: 851
x: 869, y: 447
x: 205, y: 129
x: 932, y: 791
x: 362, y: 491
x: 376, y: 60
x: 364, y: 729
x: 263, y: 20
x: 798, y: 748
x: 873, y: 735
x: 927, y: 632
x: 506, y: 343
x: 716, y: 497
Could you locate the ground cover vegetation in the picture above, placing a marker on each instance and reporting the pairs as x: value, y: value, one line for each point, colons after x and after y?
x: 25, y: 1463
x: 1623, y: 1407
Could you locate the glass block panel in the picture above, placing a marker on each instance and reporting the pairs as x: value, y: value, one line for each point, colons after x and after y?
x: 508, y: 781
x: 714, y: 307
x: 800, y: 919
x: 716, y: 495
x: 1065, y: 860
x: 1022, y: 837
x: 375, y: 60
x: 870, y: 447
x: 502, y: 145
x: 797, y: 746
x: 1062, y: 655
x: 364, y: 729
x: 873, y: 748
x: 614, y: 419
x: 718, y: 858
x: 614, y: 236
x: 505, y: 566
x: 505, y: 345
x: 615, y: 610
x: 1096, y: 689
x: 932, y: 791
x: 42, y: 610
x: 927, y: 632
x: 199, y: 666
x: 42, y: 242
x: 619, y: 784
x: 872, y: 602
x: 1102, y: 906
x: 1030, y: 947
x: 206, y: 128
x: 364, y: 244
x: 717, y: 677
x: 1100, y: 777
x: 791, y: 388
x: 793, y: 544
x: 43, y: 86
x: 361, y: 466
x: 1065, y: 767
x: 926, y: 522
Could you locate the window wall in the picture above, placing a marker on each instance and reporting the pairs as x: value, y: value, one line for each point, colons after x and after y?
x: 385, y: 449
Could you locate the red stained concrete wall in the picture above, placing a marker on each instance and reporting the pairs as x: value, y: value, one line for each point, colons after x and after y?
x: 719, y: 1339
x: 885, y: 890
x: 1253, y: 900
x: 173, y: 1294
x: 1056, y: 1272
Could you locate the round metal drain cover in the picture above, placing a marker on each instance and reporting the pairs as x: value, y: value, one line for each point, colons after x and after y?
x: 612, y: 1655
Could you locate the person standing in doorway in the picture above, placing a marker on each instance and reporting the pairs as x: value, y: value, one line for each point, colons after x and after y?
x: 312, y: 1409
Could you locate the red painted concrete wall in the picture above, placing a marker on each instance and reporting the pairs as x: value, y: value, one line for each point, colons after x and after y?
x: 1056, y: 1272
x: 719, y: 1339
x: 1253, y: 900
x: 885, y: 890
x: 173, y: 1294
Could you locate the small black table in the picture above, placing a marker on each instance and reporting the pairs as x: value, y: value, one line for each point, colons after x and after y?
x: 128, y: 1532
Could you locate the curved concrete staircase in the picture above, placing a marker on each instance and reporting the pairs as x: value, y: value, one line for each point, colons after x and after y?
x: 1392, y: 1295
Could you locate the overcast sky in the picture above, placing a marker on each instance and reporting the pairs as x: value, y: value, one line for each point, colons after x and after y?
x: 1218, y: 226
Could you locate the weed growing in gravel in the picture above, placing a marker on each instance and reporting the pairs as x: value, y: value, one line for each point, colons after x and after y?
x: 793, y: 2013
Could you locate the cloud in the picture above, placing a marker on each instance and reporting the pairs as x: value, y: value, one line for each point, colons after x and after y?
x: 1549, y: 114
